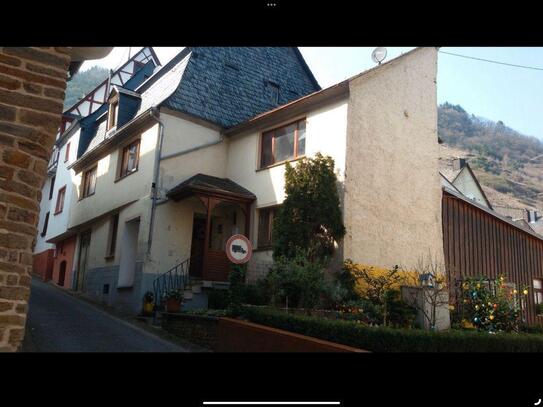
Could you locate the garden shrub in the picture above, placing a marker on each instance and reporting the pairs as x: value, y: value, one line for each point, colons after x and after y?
x: 218, y: 299
x: 236, y: 290
x: 379, y: 289
x: 298, y: 280
x: 309, y: 220
x: 381, y: 339
x: 360, y: 284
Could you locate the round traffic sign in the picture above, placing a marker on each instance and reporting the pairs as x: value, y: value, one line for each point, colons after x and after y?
x: 239, y: 249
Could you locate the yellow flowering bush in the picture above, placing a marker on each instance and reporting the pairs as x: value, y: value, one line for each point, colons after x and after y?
x: 394, y: 281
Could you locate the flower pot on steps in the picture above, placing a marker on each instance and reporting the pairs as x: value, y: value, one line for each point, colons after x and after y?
x: 173, y: 305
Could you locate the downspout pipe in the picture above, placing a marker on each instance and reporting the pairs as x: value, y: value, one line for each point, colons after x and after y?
x: 156, y: 174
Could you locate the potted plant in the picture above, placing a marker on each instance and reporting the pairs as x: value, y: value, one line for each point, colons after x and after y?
x: 173, y: 300
x: 148, y: 303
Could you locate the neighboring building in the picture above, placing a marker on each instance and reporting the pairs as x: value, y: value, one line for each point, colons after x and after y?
x: 197, y: 153
x: 56, y: 246
x: 458, y: 175
x: 526, y: 216
x: 479, y: 242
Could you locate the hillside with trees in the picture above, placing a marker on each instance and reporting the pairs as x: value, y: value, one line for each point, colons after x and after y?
x: 509, y: 165
x: 82, y: 83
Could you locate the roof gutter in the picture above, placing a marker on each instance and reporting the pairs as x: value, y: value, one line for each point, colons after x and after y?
x: 297, y: 107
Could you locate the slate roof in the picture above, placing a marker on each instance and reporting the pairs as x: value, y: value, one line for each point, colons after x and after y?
x: 228, y: 85
x: 222, y: 85
x: 94, y: 125
x: 208, y: 183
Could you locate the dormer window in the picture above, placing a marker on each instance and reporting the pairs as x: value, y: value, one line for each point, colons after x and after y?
x: 273, y: 92
x: 113, y: 113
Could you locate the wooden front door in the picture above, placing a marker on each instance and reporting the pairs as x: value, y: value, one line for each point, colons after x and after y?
x: 197, y: 246
x: 83, y: 255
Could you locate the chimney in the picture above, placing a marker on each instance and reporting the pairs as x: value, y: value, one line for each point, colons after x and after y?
x: 532, y: 216
x: 459, y: 163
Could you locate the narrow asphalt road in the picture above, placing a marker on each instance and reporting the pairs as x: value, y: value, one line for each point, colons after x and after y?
x: 59, y: 322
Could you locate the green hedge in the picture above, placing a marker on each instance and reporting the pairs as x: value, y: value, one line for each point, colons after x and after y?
x: 378, y: 339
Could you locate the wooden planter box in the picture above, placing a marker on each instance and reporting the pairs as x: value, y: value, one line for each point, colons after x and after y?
x: 234, y: 335
x: 241, y: 336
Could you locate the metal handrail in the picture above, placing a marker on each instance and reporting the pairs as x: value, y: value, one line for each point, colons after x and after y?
x: 177, y: 278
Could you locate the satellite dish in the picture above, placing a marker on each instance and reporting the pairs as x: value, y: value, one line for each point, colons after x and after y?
x: 379, y: 54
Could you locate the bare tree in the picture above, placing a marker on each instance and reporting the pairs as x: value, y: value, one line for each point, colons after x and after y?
x: 430, y: 293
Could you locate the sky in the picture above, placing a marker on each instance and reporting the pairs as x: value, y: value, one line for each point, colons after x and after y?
x: 497, y: 92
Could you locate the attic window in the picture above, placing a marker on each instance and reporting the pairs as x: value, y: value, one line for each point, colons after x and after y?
x: 272, y: 89
x: 112, y: 114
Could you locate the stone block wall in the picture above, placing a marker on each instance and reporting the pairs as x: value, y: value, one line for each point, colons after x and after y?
x: 32, y: 86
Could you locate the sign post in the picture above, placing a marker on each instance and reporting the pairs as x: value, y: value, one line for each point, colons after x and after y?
x: 239, y: 249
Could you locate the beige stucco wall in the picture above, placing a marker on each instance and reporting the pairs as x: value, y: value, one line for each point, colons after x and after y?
x: 326, y: 130
x: 325, y: 133
x: 392, y: 186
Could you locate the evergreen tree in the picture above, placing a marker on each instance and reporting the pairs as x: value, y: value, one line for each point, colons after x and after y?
x: 309, y: 221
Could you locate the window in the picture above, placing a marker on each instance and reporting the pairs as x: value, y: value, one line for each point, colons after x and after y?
x: 538, y: 294
x: 130, y: 159
x: 112, y: 115
x: 265, y: 226
x: 52, y: 189
x: 282, y: 144
x: 67, y: 154
x: 273, y: 92
x: 89, y: 183
x: 45, y: 223
x: 60, y: 199
x: 113, y: 226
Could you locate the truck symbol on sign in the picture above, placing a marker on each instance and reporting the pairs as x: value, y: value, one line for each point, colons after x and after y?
x: 236, y: 248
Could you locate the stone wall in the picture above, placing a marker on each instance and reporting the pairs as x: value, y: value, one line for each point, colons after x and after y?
x: 32, y: 85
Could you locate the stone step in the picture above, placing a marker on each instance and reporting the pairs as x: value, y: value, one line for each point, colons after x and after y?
x: 187, y: 294
x: 196, y: 288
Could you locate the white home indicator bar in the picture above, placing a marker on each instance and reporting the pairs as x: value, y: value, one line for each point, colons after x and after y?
x: 273, y: 403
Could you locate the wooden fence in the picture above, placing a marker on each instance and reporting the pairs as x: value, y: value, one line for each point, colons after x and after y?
x: 478, y: 243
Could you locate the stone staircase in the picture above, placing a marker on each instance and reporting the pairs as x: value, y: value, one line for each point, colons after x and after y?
x: 194, y: 296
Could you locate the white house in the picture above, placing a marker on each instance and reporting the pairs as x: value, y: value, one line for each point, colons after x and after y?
x: 197, y: 152
x: 56, y: 246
